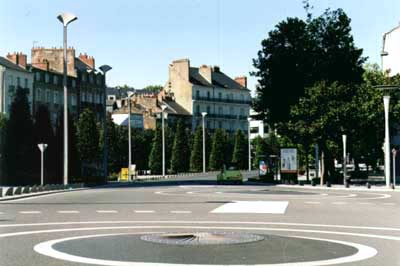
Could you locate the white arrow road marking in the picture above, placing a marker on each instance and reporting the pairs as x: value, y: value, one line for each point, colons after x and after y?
x: 273, y: 207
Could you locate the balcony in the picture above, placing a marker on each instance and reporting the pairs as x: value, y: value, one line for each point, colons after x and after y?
x: 222, y: 116
x: 221, y: 100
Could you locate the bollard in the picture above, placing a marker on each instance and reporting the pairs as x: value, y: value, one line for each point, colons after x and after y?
x: 25, y: 190
x: 18, y: 191
x: 368, y: 185
x: 10, y: 191
x: 328, y: 184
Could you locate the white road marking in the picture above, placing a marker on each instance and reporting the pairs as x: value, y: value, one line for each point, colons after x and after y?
x: 106, y: 211
x: 389, y: 203
x: 218, y: 192
x: 207, y: 222
x: 312, y: 202
x: 1, y: 212
x: 272, y: 207
x: 30, y: 212
x: 144, y: 211
x: 365, y: 203
x: 158, y: 192
x: 180, y: 212
x: 339, y: 203
x: 46, y: 248
x: 194, y: 186
x: 324, y: 194
x: 189, y: 192
x: 67, y: 212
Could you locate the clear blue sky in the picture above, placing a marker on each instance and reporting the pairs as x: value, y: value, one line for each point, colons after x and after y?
x: 139, y: 38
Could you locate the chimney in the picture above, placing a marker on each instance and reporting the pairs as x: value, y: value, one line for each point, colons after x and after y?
x: 88, y: 60
x: 18, y: 59
x: 179, y: 69
x: 206, y: 72
x: 217, y: 69
x: 242, y: 81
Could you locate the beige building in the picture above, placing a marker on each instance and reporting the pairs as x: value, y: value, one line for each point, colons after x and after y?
x: 207, y: 89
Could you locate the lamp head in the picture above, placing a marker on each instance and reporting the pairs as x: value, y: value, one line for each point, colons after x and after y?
x: 105, y: 68
x: 163, y: 107
x: 204, y: 114
x: 66, y: 18
x: 249, y: 119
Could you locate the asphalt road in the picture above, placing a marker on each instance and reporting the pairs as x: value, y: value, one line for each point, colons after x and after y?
x: 105, y: 226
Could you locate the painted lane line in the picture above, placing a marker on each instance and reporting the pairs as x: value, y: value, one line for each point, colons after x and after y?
x: 30, y: 212
x: 389, y: 203
x: 181, y: 212
x: 219, y: 192
x: 365, y: 203
x: 207, y: 222
x: 312, y: 202
x: 324, y: 194
x: 68, y: 212
x: 1, y: 212
x: 144, y: 211
x: 339, y: 203
x: 106, y: 211
x: 46, y: 248
x: 189, y: 192
x: 158, y: 192
x: 271, y: 207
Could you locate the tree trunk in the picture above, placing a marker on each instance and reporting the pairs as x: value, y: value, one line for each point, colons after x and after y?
x: 322, y: 168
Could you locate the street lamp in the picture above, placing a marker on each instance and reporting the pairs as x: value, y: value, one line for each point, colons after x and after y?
x: 203, y: 114
x: 344, y: 138
x: 163, y: 107
x: 105, y: 69
x: 248, y: 135
x: 65, y: 19
x: 130, y: 94
x: 42, y: 148
x: 394, y: 152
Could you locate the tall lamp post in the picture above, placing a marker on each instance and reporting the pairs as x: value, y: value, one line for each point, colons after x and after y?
x: 163, y: 107
x: 203, y: 114
x: 249, y: 144
x: 65, y: 19
x: 394, y: 152
x: 105, y: 69
x: 386, y: 100
x: 130, y: 94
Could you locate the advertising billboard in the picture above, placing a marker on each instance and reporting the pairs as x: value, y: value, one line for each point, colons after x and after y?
x: 289, y: 160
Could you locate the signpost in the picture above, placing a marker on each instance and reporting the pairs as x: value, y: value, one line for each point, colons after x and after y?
x: 42, y: 147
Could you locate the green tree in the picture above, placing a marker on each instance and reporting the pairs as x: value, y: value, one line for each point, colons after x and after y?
x: 19, y: 142
x: 3, y: 128
x: 88, y: 137
x: 154, y: 88
x: 44, y: 133
x: 74, y: 164
x: 113, y: 148
x: 218, y: 149
x: 260, y: 150
x: 318, y: 49
x: 196, y: 156
x: 155, y: 158
x: 240, y: 153
x: 180, y: 158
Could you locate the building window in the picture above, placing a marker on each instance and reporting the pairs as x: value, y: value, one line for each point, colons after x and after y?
x: 208, y: 124
x: 55, y: 80
x: 219, y: 124
x: 197, y: 94
x: 84, y: 77
x: 231, y: 111
x: 39, y: 95
x: 220, y: 110
x: 18, y: 81
x: 220, y: 95
x: 73, y: 100
x: 91, y: 79
x: 48, y: 95
x: 73, y: 83
x: 254, y: 130
x: 197, y: 109
x: 55, y: 97
x: 26, y: 83
x: 208, y: 109
x: 46, y: 78
x: 37, y: 76
x: 241, y: 111
x: 208, y: 95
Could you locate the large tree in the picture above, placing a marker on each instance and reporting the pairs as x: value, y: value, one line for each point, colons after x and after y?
x: 240, y: 153
x: 19, y: 142
x: 155, y: 157
x: 88, y: 137
x: 3, y: 128
x: 44, y: 133
x: 112, y: 142
x: 180, y: 158
x: 196, y: 156
x: 218, y: 150
x: 297, y: 54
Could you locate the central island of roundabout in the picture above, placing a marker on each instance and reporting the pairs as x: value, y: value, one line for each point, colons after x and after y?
x: 202, y: 246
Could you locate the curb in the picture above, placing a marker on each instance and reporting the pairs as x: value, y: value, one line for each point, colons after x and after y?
x: 38, y: 194
x: 383, y: 189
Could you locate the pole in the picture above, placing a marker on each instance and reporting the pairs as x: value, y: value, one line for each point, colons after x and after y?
x: 41, y: 168
x: 386, y: 100
x: 129, y: 139
x: 344, y: 138
x: 316, y: 160
x: 204, y: 146
x: 394, y: 151
x: 65, y: 110
x: 249, y: 144
x: 105, y: 139
x: 163, y: 144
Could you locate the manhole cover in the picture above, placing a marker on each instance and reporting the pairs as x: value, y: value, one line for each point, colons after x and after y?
x: 202, y: 238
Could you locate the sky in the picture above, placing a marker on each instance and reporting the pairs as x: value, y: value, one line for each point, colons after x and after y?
x: 140, y: 38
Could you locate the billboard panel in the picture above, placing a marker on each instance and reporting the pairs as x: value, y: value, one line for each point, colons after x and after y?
x: 289, y: 160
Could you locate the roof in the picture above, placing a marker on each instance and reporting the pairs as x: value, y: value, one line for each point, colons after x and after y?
x: 175, y: 108
x: 219, y: 79
x: 8, y: 64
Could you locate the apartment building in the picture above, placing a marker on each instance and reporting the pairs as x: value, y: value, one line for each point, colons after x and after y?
x: 207, y: 89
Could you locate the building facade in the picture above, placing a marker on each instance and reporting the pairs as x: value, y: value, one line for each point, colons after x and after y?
x: 391, y: 51
x: 14, y: 74
x: 85, y: 84
x: 207, y: 89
